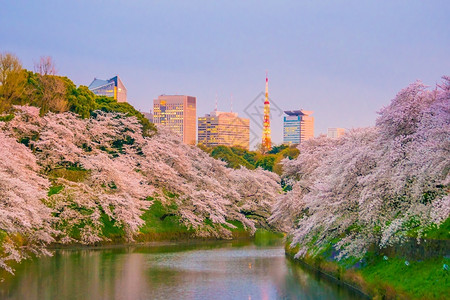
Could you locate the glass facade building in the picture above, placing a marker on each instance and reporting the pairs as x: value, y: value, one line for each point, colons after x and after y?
x: 224, y: 128
x: 112, y: 87
x: 179, y: 113
x: 298, y: 126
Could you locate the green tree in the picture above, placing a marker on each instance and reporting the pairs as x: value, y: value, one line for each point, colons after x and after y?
x: 277, y: 149
x: 81, y: 100
x: 237, y: 157
x: 12, y: 80
x: 267, y: 162
x: 232, y: 159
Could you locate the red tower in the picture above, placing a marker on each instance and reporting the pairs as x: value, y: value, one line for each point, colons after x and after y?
x: 266, y: 140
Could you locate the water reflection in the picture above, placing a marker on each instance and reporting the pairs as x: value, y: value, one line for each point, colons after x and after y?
x: 188, y: 271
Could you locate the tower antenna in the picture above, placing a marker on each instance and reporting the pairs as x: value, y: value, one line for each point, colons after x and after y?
x: 215, y: 107
x: 231, y: 102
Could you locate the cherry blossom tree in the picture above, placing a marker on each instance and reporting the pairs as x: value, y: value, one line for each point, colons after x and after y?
x: 24, y: 219
x: 373, y: 186
x: 120, y: 172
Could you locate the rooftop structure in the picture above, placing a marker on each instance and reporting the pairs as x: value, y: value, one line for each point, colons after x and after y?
x: 112, y: 87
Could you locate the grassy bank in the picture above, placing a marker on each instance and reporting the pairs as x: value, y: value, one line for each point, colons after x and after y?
x: 162, y: 224
x: 384, y: 277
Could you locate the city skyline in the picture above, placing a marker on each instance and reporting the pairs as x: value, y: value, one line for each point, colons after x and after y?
x: 344, y: 62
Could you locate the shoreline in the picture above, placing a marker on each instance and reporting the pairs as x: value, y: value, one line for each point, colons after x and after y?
x: 155, y: 243
x: 327, y: 276
x: 376, y: 280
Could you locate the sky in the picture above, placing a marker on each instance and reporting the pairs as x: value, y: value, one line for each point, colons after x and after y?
x: 344, y: 60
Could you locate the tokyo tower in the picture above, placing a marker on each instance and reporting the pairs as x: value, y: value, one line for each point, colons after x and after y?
x: 266, y: 140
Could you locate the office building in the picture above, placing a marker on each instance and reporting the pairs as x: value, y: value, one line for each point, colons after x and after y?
x: 179, y: 113
x: 335, y: 132
x: 112, y: 87
x: 298, y: 126
x: 224, y: 128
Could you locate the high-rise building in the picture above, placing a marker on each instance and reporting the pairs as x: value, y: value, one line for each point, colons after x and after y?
x: 335, y: 132
x: 224, y: 128
x: 179, y: 113
x: 298, y: 126
x: 112, y: 87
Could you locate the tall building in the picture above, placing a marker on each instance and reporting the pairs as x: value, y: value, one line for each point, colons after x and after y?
x: 298, y: 126
x: 266, y: 139
x: 179, y: 113
x: 335, y: 132
x: 224, y: 128
x: 112, y: 87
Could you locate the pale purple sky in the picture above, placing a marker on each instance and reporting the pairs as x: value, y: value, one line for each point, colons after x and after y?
x: 343, y: 60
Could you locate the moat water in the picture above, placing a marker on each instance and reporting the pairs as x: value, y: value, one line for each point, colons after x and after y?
x: 201, y: 270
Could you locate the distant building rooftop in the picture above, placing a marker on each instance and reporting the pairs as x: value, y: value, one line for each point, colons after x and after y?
x: 300, y: 112
x: 98, y: 83
x: 217, y: 113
